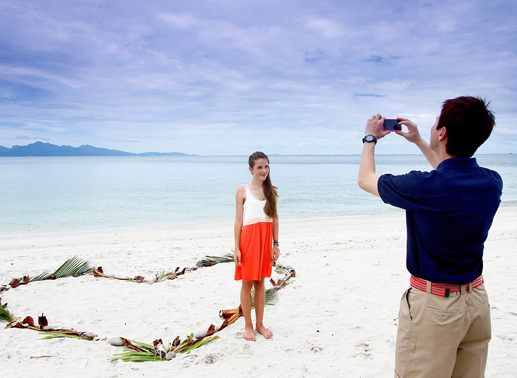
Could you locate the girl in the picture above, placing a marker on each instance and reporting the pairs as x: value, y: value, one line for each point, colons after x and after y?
x: 256, y: 229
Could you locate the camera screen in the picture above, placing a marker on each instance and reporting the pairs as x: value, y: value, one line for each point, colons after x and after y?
x: 391, y: 125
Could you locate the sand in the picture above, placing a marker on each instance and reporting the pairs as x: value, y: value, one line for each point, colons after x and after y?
x: 338, y: 318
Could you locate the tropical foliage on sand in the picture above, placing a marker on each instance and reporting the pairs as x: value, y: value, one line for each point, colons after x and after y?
x: 141, y: 352
x: 71, y: 268
x: 214, y: 260
x: 4, y: 312
x: 137, y: 351
x: 271, y: 293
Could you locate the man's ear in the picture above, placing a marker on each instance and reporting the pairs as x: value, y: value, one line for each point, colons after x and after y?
x: 443, y: 133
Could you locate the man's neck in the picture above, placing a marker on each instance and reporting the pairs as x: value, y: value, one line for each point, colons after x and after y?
x: 443, y: 155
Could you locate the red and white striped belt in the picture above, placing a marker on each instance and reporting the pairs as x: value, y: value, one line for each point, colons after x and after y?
x: 443, y: 289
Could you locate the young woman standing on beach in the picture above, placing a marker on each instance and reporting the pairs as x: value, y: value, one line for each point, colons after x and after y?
x: 256, y: 240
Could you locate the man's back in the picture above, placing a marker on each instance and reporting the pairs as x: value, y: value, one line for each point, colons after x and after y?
x: 449, y: 213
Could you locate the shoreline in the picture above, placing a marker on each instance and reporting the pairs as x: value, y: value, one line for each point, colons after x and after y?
x: 184, y: 225
x: 338, y: 317
x: 194, y: 226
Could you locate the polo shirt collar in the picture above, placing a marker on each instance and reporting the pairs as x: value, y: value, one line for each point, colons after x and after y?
x: 458, y: 163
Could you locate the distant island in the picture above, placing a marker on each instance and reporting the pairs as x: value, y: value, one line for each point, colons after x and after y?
x: 47, y: 149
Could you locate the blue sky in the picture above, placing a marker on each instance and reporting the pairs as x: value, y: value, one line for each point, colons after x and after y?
x: 231, y: 77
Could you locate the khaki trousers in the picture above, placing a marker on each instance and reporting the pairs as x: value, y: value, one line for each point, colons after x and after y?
x: 443, y: 337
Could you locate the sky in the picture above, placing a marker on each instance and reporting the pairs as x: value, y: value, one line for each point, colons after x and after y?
x: 221, y: 77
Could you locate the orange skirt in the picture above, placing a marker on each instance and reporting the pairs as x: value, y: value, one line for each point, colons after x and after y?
x: 255, y: 245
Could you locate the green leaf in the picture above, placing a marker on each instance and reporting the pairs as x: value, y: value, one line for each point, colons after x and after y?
x: 142, y: 344
x: 72, y: 267
x: 187, y: 339
x: 51, y: 335
x: 40, y: 277
x: 134, y: 356
x: 5, y: 314
x: 199, y: 343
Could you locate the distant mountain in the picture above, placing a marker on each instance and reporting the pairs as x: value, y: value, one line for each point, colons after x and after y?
x: 47, y: 149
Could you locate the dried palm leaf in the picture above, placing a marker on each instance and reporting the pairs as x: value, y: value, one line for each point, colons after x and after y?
x: 214, y: 260
x: 163, y: 275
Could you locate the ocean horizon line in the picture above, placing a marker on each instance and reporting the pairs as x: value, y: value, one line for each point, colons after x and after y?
x: 41, y: 149
x: 140, y: 155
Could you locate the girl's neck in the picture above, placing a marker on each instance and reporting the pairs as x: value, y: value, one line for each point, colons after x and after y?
x: 256, y: 182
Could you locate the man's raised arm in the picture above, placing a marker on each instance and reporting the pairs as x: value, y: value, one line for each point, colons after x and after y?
x: 367, y: 178
x: 413, y: 136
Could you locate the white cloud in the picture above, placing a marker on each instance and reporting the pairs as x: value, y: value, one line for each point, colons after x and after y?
x: 143, y: 76
x: 327, y: 28
x: 183, y: 21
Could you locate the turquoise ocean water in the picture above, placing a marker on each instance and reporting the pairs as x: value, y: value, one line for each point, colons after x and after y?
x: 43, y: 195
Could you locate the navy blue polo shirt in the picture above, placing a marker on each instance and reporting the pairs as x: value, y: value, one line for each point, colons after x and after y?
x: 448, y: 214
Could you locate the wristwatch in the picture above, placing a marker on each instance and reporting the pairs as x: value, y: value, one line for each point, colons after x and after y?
x: 370, y: 138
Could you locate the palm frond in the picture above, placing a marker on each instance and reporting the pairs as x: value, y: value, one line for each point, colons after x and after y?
x: 148, y: 346
x: 214, y: 260
x: 146, y: 352
x: 199, y: 343
x: 163, y: 275
x: 50, y: 335
x: 134, y: 356
x: 271, y: 294
x: 40, y: 277
x: 5, y: 314
x: 73, y: 267
x: 139, y: 352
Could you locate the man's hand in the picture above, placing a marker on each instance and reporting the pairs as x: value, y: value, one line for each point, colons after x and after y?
x: 374, y: 127
x: 412, y: 135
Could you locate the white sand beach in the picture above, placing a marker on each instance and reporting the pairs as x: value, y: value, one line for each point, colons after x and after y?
x: 338, y: 317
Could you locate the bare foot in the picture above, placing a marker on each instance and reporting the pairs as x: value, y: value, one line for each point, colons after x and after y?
x: 264, y: 332
x: 249, y: 334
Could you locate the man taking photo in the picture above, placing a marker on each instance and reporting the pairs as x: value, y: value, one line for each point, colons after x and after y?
x: 444, y: 319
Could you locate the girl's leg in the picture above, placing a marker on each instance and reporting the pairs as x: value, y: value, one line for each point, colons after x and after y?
x: 246, y: 310
x: 260, y: 303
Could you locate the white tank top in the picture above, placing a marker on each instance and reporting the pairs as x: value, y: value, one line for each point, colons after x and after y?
x: 254, y: 209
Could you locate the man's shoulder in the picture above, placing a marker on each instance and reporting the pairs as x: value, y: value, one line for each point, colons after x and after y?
x: 492, y: 173
x: 407, y: 177
x: 406, y: 184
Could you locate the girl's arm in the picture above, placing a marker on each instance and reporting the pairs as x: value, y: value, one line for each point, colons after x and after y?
x: 240, y: 197
x: 275, y: 251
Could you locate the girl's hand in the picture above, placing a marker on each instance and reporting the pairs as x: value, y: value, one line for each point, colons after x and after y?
x: 275, y: 253
x: 237, y: 257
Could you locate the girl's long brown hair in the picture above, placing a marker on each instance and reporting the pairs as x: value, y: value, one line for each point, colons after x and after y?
x: 270, y: 191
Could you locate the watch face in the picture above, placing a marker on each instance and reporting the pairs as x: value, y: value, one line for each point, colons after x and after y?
x: 369, y: 138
